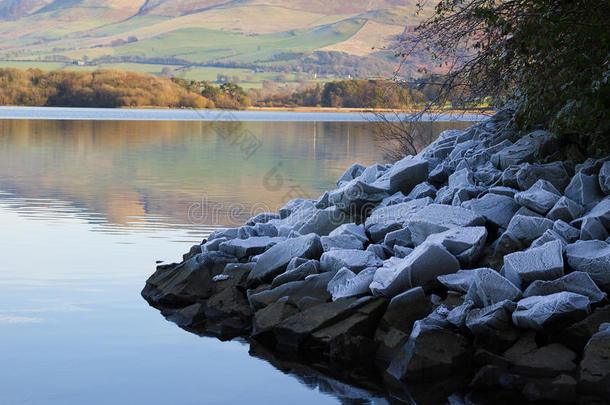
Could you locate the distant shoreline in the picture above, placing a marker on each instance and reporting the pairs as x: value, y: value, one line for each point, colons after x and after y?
x: 253, y: 114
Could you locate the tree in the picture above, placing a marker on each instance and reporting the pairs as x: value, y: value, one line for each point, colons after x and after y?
x: 549, y: 58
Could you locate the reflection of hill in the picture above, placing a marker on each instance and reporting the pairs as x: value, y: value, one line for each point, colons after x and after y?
x: 126, y: 169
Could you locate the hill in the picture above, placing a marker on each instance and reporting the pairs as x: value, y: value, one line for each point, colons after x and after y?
x: 249, y: 40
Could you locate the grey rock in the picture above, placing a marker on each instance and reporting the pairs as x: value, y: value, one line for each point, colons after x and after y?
x: 275, y: 260
x: 351, y: 173
x: 400, y: 237
x: 542, y: 263
x: 592, y: 257
x: 372, y: 173
x: 241, y: 248
x: 401, y: 251
x: 577, y: 282
x: 487, y: 174
x: 387, y: 219
x: 565, y: 209
x: 352, y: 230
x: 357, y: 196
x: 528, y: 213
x: 555, y: 173
x: 566, y: 231
x: 595, y: 365
x: 457, y: 316
x: 492, y: 326
x: 439, y: 174
x: 267, y: 318
x: 497, y: 209
x: 265, y: 229
x: 230, y: 233
x: 551, y: 312
x: 466, y: 244
x: 577, y: 335
x: 323, y: 201
x: 522, y: 151
x: 521, y: 232
x: 460, y: 281
x: 601, y: 212
x: 540, y: 198
x: 423, y: 265
x: 355, y: 260
x: 299, y: 273
x: 509, y: 177
x: 501, y: 190
x: 349, y: 284
x: 584, y: 189
x: 381, y: 251
x: 549, y: 236
x: 407, y: 173
x: 262, y: 218
x: 489, y: 288
x: 591, y: 229
x: 406, y: 308
x: 431, y: 352
x: 461, y: 178
x: 214, y: 244
x: 292, y: 206
x: 436, y: 218
x: 322, y: 222
x: 547, y: 361
x: 422, y: 190
x: 395, y: 198
x: 604, y: 177
x: 341, y: 242
x: 463, y: 194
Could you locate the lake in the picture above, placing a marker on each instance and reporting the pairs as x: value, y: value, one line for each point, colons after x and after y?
x: 90, y: 202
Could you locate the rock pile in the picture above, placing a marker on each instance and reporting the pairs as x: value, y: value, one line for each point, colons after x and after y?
x: 475, y: 257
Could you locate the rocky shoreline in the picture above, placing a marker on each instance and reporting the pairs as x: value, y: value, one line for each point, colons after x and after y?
x: 479, y: 259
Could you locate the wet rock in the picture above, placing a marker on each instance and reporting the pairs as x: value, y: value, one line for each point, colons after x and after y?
x: 551, y: 312
x: 540, y: 198
x: 423, y: 265
x: 241, y: 248
x: 466, y: 244
x: 577, y: 282
x: 493, y: 327
x: 298, y: 273
x: 406, y: 308
x: 548, y: 361
x: 555, y: 173
x: 294, y: 330
x: 431, y: 352
x: 314, y: 287
x: 192, y: 316
x: 436, y: 218
x: 542, y: 263
x: 592, y: 257
x: 522, y: 151
x: 497, y: 209
x: 341, y: 242
x: 584, y: 189
x: 576, y: 336
x: 270, y: 316
x: 565, y: 209
x: 349, y: 284
x: 350, y: 229
x: 407, y: 173
x: 274, y: 261
x: 230, y: 309
x: 355, y: 260
x: 595, y: 365
x: 489, y: 288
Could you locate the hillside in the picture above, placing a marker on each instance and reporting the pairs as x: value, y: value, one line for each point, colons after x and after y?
x: 249, y: 40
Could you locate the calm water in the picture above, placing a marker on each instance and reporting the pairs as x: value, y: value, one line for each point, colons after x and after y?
x: 87, y: 207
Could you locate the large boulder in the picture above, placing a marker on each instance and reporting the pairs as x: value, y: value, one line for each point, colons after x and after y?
x: 584, y: 189
x: 577, y: 282
x: 522, y: 151
x: 460, y: 281
x: 355, y: 260
x: 555, y: 173
x: 298, y: 273
x: 489, y: 288
x: 352, y: 172
x: 350, y: 229
x: 492, y: 326
x: 551, y: 312
x: 270, y: 316
x: 600, y: 212
x: 275, y: 260
x: 592, y: 257
x: 322, y: 222
x: 432, y: 351
x: 346, y: 283
x: 407, y: 173
x: 390, y: 218
x: 542, y: 263
x: 357, y: 196
x: 341, y: 242
x: 436, y: 218
x: 540, y: 197
x: 577, y: 335
x: 422, y: 266
x: 466, y: 244
x: 243, y: 248
x: 527, y: 358
x: 595, y: 365
x: 565, y: 209
x: 604, y: 177
x: 497, y: 209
